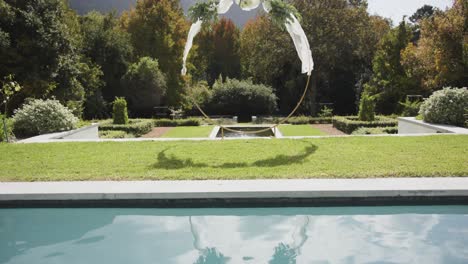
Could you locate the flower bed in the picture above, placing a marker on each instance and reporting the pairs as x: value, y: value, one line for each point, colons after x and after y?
x: 348, y: 124
x: 375, y: 130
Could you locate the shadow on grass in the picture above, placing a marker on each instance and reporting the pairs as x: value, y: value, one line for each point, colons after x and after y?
x: 172, y: 162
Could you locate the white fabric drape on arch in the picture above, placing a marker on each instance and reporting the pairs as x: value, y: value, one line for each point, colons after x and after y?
x: 293, y: 27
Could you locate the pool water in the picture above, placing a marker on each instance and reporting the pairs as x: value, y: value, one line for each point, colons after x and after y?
x: 430, y: 234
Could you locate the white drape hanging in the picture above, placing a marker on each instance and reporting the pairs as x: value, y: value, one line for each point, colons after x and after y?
x: 293, y: 27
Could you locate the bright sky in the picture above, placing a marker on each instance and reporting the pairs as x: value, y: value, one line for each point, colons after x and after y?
x: 396, y: 9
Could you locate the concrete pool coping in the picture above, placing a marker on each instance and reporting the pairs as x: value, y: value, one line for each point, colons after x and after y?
x: 244, y: 193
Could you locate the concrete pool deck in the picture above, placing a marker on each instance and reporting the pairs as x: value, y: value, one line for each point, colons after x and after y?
x: 243, y: 193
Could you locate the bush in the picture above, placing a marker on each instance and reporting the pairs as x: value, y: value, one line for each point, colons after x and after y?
x: 115, y: 134
x: 175, y: 123
x: 9, y: 123
x: 410, y: 108
x: 446, y: 106
x: 326, y: 112
x: 42, y: 116
x: 366, y: 108
x: 303, y: 120
x: 242, y: 98
x: 120, y: 114
x: 348, y: 124
x: 375, y: 130
x: 136, y: 127
x: 145, y: 86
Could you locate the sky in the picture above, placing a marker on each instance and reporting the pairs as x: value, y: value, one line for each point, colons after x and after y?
x: 396, y: 9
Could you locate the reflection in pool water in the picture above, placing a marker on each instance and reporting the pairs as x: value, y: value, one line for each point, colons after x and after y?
x: 275, y: 235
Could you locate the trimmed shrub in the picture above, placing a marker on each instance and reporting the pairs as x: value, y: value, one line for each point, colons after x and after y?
x: 375, y: 130
x: 9, y: 123
x: 366, y: 108
x: 242, y: 98
x: 348, y: 124
x: 115, y: 134
x: 303, y: 120
x: 178, y: 122
x: 42, y: 116
x: 136, y: 127
x: 446, y: 106
x: 120, y: 113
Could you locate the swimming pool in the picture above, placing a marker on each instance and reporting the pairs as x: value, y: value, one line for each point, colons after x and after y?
x: 416, y: 234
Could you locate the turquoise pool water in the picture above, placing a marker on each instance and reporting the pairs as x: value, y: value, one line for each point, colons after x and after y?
x: 431, y: 234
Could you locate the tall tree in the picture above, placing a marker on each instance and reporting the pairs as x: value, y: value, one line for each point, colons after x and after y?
x: 158, y: 29
x: 390, y: 82
x: 108, y: 46
x: 440, y: 58
x: 41, y: 44
x: 342, y: 49
x: 218, y: 51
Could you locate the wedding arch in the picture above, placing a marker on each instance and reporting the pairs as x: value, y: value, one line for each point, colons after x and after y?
x: 281, y: 13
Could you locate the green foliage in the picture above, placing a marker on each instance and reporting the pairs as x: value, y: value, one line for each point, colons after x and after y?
x: 112, y: 134
x: 9, y: 128
x: 446, y: 106
x: 410, y: 108
x: 9, y: 89
x: 390, y: 82
x: 218, y: 52
x: 375, y: 130
x: 158, y: 29
x: 45, y: 56
x: 205, y: 11
x: 366, y: 108
x: 120, y: 114
x: 176, y: 123
x: 42, y: 116
x: 281, y: 11
x: 242, y: 98
x: 108, y: 46
x: 136, y: 127
x: 326, y: 112
x: 343, y: 46
x: 145, y: 86
x: 348, y: 124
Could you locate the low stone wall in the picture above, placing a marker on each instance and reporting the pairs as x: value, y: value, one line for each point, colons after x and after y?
x: 410, y: 125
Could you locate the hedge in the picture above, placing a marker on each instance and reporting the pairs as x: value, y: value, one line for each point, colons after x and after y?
x: 176, y: 122
x: 348, y: 124
x: 136, y: 127
x: 298, y: 120
x: 375, y: 130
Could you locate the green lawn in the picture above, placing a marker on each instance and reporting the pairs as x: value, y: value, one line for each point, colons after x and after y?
x: 349, y: 157
x: 189, y: 132
x: 299, y: 130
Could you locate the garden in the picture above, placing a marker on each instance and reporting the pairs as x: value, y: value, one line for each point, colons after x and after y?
x: 107, y: 69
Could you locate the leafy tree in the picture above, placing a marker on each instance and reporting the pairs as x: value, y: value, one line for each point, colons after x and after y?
x: 218, y: 51
x: 342, y: 47
x: 41, y: 42
x: 390, y: 83
x: 158, y: 29
x: 440, y: 58
x: 366, y: 108
x: 424, y: 12
x: 145, y: 86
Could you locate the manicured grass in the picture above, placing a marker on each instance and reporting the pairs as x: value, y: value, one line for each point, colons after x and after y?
x: 299, y: 130
x: 189, y: 132
x: 349, y: 157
